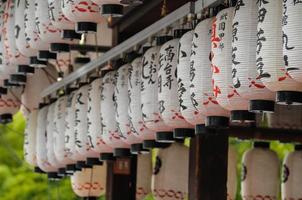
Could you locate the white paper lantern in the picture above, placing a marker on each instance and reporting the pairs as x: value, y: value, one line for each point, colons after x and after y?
x: 270, y: 61
x: 170, y: 174
x: 128, y: 134
x: 134, y: 108
x: 232, y: 174
x: 50, y: 129
x: 46, y: 30
x: 260, y: 174
x: 292, y: 176
x: 30, y: 135
x: 292, y: 46
x: 201, y: 85
x: 14, y: 56
x: 246, y: 80
x: 94, y: 121
x: 143, y: 177
x: 21, y: 42
x: 82, y: 142
x: 224, y: 91
x: 42, y: 78
x: 90, y: 183
x: 60, y: 150
x: 31, y: 31
x: 149, y: 92
x: 10, y: 104
x: 84, y: 13
x: 111, y: 134
x: 187, y: 108
x: 169, y: 107
x: 41, y: 142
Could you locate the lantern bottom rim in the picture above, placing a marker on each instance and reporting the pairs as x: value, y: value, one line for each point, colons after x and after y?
x: 107, y: 157
x: 138, y: 149
x: 59, y: 47
x: 242, y: 116
x: 82, y: 165
x: 182, y: 133
x: 70, y: 35
x: 86, y: 27
x: 25, y: 69
x: 71, y: 168
x: 217, y: 122
x: 46, y: 55
x: 289, y: 98
x: 122, y: 152
x: 39, y: 170
x: 165, y: 136
x: 259, y: 106
x: 35, y: 62
x: 150, y: 144
x: 93, y: 161
x: 6, y: 118
x: 53, y: 176
x: 62, y: 172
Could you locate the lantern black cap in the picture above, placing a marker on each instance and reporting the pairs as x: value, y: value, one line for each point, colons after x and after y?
x: 131, y: 56
x: 39, y: 170
x: 3, y: 91
x: 217, y: 122
x: 135, y: 2
x: 138, y: 149
x: 107, y: 157
x: 145, y: 48
x: 165, y: 136
x: 181, y: 133
x: 264, y: 145
x: 242, y: 116
x: 118, y: 63
x: 200, y: 129
x: 82, y: 60
x: 258, y: 106
x: 93, y: 161
x: 6, y: 118
x: 289, y: 97
x: 71, y: 168
x: 160, y: 40
x: 53, y: 176
x: 34, y: 61
x: 122, y: 152
x: 90, y: 198
x: 26, y: 69
x: 86, y: 27
x: 104, y: 72
x: 46, y: 55
x: 62, y: 172
x: 70, y: 35
x: 114, y: 10
x: 150, y: 144
x: 18, y: 78
x: 178, y: 33
x: 82, y: 165
x: 8, y: 83
x: 59, y: 47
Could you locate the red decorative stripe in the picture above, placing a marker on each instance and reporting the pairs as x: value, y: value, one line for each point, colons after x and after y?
x: 259, y: 197
x: 140, y: 191
x: 9, y: 103
x: 88, y: 186
x: 169, y: 193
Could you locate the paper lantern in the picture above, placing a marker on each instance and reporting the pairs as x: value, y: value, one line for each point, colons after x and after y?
x: 60, y: 21
x: 35, y: 85
x: 10, y: 104
x: 70, y: 144
x: 232, y: 174
x: 30, y: 135
x: 59, y: 136
x: 260, y: 173
x: 84, y: 13
x: 170, y: 174
x: 292, y: 176
x: 82, y: 142
x: 32, y: 35
x: 46, y: 30
x: 41, y: 142
x: 270, y: 61
x: 14, y: 57
x: 246, y: 80
x: 110, y: 7
x: 62, y: 63
x: 187, y: 108
x: 143, y: 177
x: 149, y: 92
x: 223, y: 88
x: 134, y: 110
x: 291, y: 43
x: 128, y: 133
x: 201, y: 87
x: 90, y: 184
x: 94, y: 121
x: 111, y: 134
x: 21, y: 42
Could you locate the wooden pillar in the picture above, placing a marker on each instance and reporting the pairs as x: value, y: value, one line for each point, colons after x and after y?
x: 208, y: 166
x: 121, y: 179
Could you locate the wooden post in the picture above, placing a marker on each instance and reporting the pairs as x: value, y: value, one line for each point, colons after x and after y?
x: 208, y: 166
x: 121, y: 179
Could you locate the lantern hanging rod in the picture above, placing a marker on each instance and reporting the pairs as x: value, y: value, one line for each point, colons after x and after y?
x: 137, y: 39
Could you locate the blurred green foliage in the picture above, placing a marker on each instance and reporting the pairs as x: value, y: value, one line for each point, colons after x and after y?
x: 18, y: 182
